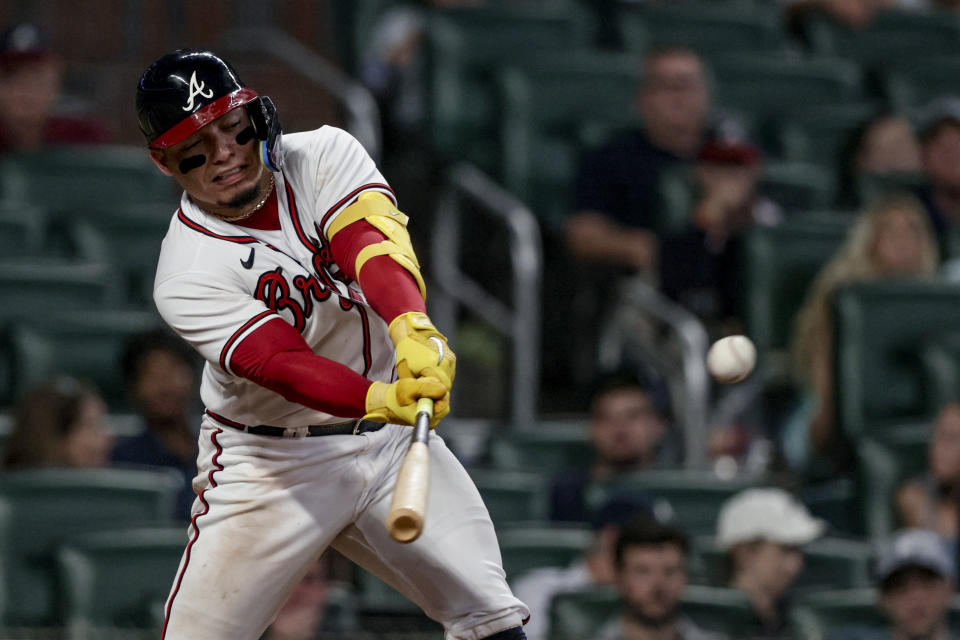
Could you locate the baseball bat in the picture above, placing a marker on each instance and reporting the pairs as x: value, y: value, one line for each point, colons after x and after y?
x: 409, y: 505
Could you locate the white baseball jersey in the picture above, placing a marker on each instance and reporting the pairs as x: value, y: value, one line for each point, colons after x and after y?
x: 217, y: 282
x: 266, y: 506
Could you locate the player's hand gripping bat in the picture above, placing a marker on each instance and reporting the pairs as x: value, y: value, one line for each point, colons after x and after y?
x: 409, y: 506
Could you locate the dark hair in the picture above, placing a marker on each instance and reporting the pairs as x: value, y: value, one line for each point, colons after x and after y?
x: 643, y: 531
x: 623, y: 378
x: 44, y: 416
x: 140, y: 345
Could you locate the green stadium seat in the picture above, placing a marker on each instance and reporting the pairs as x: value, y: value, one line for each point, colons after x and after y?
x: 797, y: 186
x: 465, y: 48
x: 913, y: 83
x: 35, y: 287
x: 117, y: 579
x: 23, y: 229
x: 41, y: 508
x: 891, y: 37
x: 549, y: 545
x: 577, y: 615
x: 941, y: 362
x: 872, y: 186
x: 837, y: 563
x: 760, y: 87
x: 706, y: 27
x: 87, y: 345
x: 129, y: 238
x: 512, y: 496
x: 779, y: 264
x: 818, y: 133
x: 547, y: 102
x: 62, y: 179
x: 548, y: 448
x: 817, y: 615
x: 886, y: 462
x: 881, y: 328
x: 691, y: 499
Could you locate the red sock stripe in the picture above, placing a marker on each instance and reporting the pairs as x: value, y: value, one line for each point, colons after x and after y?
x: 196, y: 529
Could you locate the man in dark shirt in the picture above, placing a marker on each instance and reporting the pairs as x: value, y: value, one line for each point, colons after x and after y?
x: 616, y: 192
x: 160, y: 376
x: 940, y: 154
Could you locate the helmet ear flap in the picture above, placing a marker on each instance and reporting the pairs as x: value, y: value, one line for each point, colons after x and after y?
x: 266, y: 126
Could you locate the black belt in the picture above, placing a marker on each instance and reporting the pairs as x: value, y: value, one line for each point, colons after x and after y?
x: 353, y: 427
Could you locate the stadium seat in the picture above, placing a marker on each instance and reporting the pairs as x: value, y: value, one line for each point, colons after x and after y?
x: 706, y: 27
x: 23, y: 229
x: 690, y: 499
x: 548, y: 545
x: 891, y: 37
x: 886, y: 462
x: 871, y: 186
x: 578, y: 615
x: 126, y: 236
x: 759, y: 87
x: 941, y: 362
x: 464, y: 49
x: 779, y: 264
x: 87, y: 345
x: 39, y: 286
x: 547, y: 103
x: 548, y: 448
x: 512, y: 496
x: 837, y: 563
x: 117, y: 579
x: 41, y: 508
x: 881, y: 328
x: 913, y: 83
x: 797, y: 186
x: 817, y: 615
x: 818, y: 133
x: 64, y: 178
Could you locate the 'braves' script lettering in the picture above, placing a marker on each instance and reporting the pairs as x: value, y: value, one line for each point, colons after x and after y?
x: 273, y: 290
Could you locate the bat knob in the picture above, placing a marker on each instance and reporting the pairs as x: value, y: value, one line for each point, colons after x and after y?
x: 405, y: 525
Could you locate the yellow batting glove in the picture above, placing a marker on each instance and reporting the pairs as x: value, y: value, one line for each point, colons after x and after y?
x: 397, y: 402
x: 421, y: 349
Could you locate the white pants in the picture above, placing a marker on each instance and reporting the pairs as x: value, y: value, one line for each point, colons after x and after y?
x: 267, y: 508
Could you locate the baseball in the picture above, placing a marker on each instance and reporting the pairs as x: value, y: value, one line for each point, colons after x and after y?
x: 731, y: 359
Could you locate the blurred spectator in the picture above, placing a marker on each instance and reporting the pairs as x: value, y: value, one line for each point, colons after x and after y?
x: 854, y: 14
x: 628, y: 433
x: 393, y: 67
x: 916, y: 580
x: 315, y: 607
x: 699, y: 267
x: 651, y: 570
x: 931, y: 502
x: 763, y: 532
x: 615, y: 209
x: 159, y: 371
x: 886, y: 144
x: 61, y: 423
x: 596, y: 567
x: 891, y: 239
x: 30, y: 87
x: 940, y: 140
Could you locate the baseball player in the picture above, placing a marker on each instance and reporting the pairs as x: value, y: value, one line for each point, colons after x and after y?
x: 289, y: 268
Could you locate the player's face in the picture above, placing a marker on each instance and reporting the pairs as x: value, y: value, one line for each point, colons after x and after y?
x: 652, y: 580
x: 917, y: 602
x: 218, y: 165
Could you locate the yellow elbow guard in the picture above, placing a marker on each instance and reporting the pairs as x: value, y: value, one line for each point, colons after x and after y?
x: 378, y: 210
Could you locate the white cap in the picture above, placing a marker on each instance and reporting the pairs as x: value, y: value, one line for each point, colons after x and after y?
x: 915, y: 548
x: 766, y: 514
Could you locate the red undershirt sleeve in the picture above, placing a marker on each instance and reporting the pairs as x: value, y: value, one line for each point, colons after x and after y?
x: 276, y: 356
x: 388, y: 287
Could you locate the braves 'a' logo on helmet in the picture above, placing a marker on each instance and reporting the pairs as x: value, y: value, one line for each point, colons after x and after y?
x: 196, y: 89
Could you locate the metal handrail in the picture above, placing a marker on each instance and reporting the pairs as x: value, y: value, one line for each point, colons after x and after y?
x: 622, y: 333
x: 362, y: 113
x: 454, y: 288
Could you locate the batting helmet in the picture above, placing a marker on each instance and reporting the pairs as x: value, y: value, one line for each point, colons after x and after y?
x: 189, y: 88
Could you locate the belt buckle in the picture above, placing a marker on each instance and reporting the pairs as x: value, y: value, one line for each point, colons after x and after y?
x: 296, y: 432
